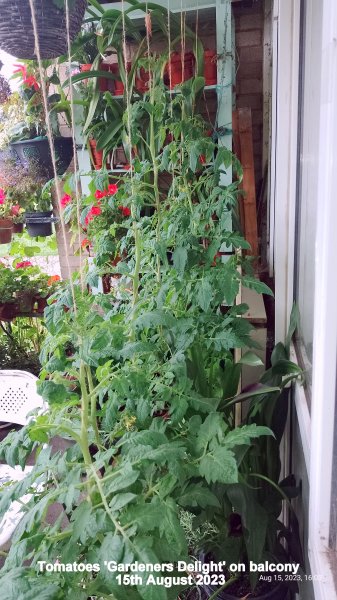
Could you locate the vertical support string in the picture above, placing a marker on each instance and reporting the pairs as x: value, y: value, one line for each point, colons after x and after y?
x: 77, y: 182
x: 51, y: 145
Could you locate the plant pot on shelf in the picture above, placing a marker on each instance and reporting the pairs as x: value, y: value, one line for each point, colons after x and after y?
x: 17, y: 227
x: 6, y: 231
x: 39, y: 224
x: 17, y: 33
x: 105, y: 84
x: 85, y: 68
x: 142, y: 80
x: 210, y: 67
x: 118, y: 83
x: 96, y: 155
x: 177, y: 70
x: 37, y: 152
x: 25, y: 302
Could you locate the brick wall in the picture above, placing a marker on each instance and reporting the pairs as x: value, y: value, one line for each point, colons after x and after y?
x: 249, y: 19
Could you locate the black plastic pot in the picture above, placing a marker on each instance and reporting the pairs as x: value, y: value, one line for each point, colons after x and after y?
x: 278, y: 592
x: 39, y: 223
x: 37, y: 152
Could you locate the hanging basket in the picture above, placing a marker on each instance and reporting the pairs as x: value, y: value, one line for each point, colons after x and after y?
x: 37, y: 152
x: 16, y: 29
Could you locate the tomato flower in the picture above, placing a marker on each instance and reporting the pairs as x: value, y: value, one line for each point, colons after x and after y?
x: 125, y: 211
x: 65, y: 200
x: 112, y: 189
x: 23, y: 265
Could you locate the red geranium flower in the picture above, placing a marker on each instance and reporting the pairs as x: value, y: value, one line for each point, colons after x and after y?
x: 52, y: 279
x: 31, y: 82
x: 85, y: 243
x: 112, y: 189
x: 99, y: 194
x: 21, y: 69
x: 95, y: 210
x: 65, y: 200
x: 125, y: 211
x: 23, y: 265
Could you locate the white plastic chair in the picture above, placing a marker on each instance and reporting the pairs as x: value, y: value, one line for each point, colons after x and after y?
x: 18, y: 397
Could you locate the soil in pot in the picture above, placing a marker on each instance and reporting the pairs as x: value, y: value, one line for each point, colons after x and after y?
x: 6, y: 231
x: 39, y: 223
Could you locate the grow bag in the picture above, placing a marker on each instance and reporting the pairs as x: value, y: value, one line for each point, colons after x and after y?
x: 37, y: 152
x: 39, y: 223
x: 16, y: 29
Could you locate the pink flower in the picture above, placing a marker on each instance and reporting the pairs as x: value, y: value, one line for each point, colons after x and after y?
x: 23, y: 265
x: 65, y: 200
x: 99, y: 194
x: 125, y: 211
x: 2, y: 196
x: 112, y: 189
x: 15, y: 210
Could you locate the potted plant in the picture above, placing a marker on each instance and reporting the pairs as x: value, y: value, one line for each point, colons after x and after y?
x: 28, y: 138
x: 151, y: 403
x: 51, y: 24
x: 38, y: 212
x: 24, y: 289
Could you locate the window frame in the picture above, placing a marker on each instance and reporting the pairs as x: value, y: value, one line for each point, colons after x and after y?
x: 317, y: 428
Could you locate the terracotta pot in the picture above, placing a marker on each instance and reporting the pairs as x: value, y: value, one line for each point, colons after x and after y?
x: 17, y: 227
x: 6, y: 231
x: 97, y: 155
x: 104, y: 84
x: 142, y: 80
x: 86, y: 67
x: 210, y: 67
x: 177, y: 70
x: 118, y: 84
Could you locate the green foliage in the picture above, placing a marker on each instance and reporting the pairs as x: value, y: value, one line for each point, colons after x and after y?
x: 143, y: 380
